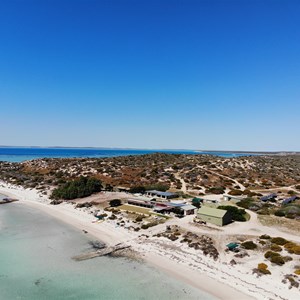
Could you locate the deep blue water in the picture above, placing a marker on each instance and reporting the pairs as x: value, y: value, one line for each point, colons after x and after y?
x: 18, y: 154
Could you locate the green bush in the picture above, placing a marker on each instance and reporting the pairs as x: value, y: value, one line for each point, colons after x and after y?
x: 279, y: 213
x: 112, y: 217
x: 279, y: 241
x: 78, y: 188
x: 278, y: 260
x: 249, y: 245
x: 137, y: 189
x: 245, y: 203
x: 270, y: 254
x: 215, y: 190
x: 115, y: 202
x: 264, y: 237
x: 139, y: 218
x: 237, y: 214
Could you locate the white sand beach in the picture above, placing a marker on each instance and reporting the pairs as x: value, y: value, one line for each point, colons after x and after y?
x: 217, y: 278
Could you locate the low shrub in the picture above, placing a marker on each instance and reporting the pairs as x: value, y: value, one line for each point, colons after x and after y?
x: 292, y: 248
x: 287, y: 258
x: 249, y: 245
x: 215, y: 190
x: 297, y: 272
x: 263, y: 269
x: 279, y: 213
x: 139, y: 218
x: 270, y: 254
x: 264, y: 237
x: 276, y: 248
x: 278, y: 260
x: 235, y: 192
x: 279, y: 241
x: 264, y: 211
x: 245, y: 203
x: 112, y: 217
x: 146, y: 226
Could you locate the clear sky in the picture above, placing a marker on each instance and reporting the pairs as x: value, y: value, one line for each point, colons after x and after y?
x: 151, y: 74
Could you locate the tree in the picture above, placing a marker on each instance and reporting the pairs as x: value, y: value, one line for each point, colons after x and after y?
x: 237, y: 214
x: 78, y: 188
x: 137, y: 189
x: 115, y: 202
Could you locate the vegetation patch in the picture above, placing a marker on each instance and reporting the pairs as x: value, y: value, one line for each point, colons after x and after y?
x: 78, y: 188
x: 235, y: 192
x: 292, y: 248
x: 249, y: 245
x: 236, y: 213
x: 297, y: 272
x: 247, y: 203
x: 279, y: 241
x: 262, y: 269
x: 278, y: 260
x: 276, y: 248
x: 275, y: 258
x: 290, y: 211
x: 265, y: 237
x: 115, y: 202
x: 148, y: 225
x: 270, y: 254
x: 215, y: 190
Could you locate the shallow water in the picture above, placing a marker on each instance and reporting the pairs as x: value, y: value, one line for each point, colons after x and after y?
x: 36, y: 264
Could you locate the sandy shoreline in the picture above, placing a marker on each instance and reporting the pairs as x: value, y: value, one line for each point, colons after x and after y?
x: 201, y: 272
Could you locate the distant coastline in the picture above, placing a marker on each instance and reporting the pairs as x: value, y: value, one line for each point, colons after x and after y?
x: 153, y: 149
x: 19, y: 154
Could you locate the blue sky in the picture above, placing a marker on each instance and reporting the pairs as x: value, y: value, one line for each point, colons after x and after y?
x: 150, y: 74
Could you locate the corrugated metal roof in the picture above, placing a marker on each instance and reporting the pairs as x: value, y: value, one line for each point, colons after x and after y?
x: 188, y: 207
x: 159, y: 193
x: 268, y: 197
x: 289, y: 200
x: 214, y: 212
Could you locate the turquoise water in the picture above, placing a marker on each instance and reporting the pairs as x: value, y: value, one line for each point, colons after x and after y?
x: 18, y: 154
x: 36, y: 264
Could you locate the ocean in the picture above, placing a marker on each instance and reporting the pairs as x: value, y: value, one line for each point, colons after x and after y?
x: 36, y: 264
x: 19, y: 154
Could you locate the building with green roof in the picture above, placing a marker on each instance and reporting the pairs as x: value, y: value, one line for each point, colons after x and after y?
x: 215, y: 216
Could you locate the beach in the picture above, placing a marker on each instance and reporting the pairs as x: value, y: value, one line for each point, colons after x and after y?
x: 216, y: 278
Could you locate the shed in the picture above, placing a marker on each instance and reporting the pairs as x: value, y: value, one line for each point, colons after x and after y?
x: 268, y: 197
x: 215, y: 216
x: 164, y: 195
x: 289, y: 200
x: 188, y: 209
